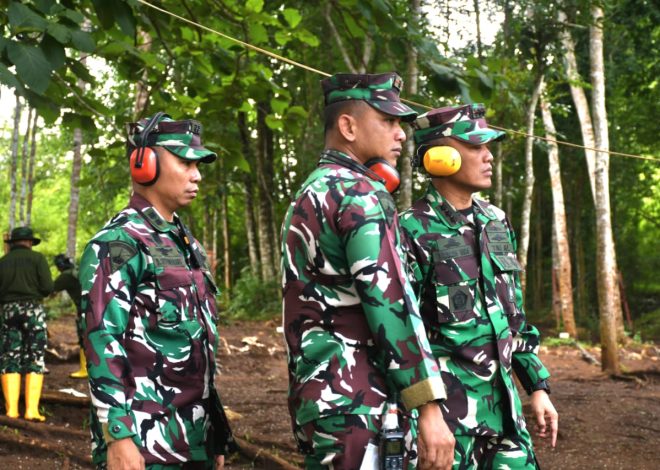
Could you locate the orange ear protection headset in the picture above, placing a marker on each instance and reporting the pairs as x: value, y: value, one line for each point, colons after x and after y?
x: 437, y: 160
x: 144, y: 160
x: 382, y: 168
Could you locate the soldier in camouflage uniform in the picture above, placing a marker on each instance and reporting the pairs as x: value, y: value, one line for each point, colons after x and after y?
x: 150, y: 318
x: 353, y: 332
x: 24, y: 281
x: 68, y: 281
x: 463, y: 255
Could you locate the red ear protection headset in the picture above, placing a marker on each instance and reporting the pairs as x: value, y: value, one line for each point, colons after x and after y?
x: 382, y: 168
x: 144, y: 160
x: 438, y: 160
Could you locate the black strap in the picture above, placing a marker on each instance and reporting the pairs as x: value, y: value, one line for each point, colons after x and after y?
x: 349, y: 163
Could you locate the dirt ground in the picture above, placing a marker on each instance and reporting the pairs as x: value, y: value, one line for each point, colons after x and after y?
x: 604, y: 423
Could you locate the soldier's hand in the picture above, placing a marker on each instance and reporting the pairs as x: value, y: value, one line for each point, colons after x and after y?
x: 547, y: 419
x: 219, y: 462
x: 123, y: 454
x: 435, y: 443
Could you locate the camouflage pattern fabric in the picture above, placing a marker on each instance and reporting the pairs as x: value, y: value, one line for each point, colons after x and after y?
x: 150, y: 338
x: 340, y: 441
x: 381, y: 91
x: 351, y: 324
x: 494, y: 452
x: 465, y: 123
x: 467, y: 275
x: 24, y: 338
x: 182, y: 138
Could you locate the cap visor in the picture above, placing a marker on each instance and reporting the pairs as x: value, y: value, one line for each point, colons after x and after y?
x: 394, y: 108
x: 480, y: 136
x: 192, y: 153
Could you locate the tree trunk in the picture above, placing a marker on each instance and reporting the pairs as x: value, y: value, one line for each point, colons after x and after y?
x: 264, y: 182
x: 248, y: 193
x: 539, y: 272
x: 556, y: 295
x: 478, y: 23
x: 74, y: 199
x: 226, y: 236
x: 14, y: 163
x: 142, y: 85
x: 529, y: 179
x: 564, y: 275
x: 410, y: 85
x: 30, y: 172
x: 24, y: 164
x: 579, y: 100
x: 605, y: 253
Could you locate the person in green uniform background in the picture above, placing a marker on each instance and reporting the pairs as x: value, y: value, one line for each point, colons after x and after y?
x: 68, y: 281
x: 463, y: 255
x: 24, y: 281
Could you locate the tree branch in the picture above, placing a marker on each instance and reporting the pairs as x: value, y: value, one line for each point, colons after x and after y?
x: 340, y: 44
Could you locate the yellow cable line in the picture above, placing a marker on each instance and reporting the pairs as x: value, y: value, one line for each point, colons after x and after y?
x: 325, y: 74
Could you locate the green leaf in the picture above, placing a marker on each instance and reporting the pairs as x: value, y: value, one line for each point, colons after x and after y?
x: 60, y: 32
x: 254, y: 5
x: 44, y: 6
x: 279, y: 105
x: 80, y: 71
x: 307, y: 37
x: 53, y: 51
x: 8, y: 78
x: 73, y: 120
x: 31, y: 65
x: 292, y: 16
x: 274, y: 123
x: 258, y: 33
x: 22, y: 17
x: 73, y: 15
x: 83, y: 41
x: 125, y: 18
x: 282, y: 37
x: 105, y: 12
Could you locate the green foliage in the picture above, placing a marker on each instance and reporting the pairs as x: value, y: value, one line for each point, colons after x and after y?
x: 648, y: 326
x: 254, y: 299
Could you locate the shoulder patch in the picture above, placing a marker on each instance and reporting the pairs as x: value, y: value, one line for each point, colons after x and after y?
x: 120, y: 252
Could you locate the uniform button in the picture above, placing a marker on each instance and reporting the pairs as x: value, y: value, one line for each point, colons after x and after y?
x: 116, y: 428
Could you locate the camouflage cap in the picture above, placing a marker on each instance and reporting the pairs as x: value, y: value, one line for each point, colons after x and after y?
x: 381, y: 91
x: 182, y: 138
x: 465, y: 123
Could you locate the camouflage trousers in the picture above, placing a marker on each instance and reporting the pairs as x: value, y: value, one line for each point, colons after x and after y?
x: 339, y: 442
x: 495, y: 452
x: 207, y: 465
x: 22, y: 337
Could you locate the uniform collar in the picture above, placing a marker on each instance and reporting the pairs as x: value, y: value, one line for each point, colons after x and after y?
x: 337, y: 157
x: 451, y: 216
x: 157, y: 221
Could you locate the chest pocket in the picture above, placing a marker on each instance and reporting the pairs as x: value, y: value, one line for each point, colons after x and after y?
x: 507, y: 269
x: 455, y: 275
x: 174, y: 293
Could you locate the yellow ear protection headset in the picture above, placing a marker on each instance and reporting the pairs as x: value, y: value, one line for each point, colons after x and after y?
x: 385, y: 170
x: 144, y: 160
x: 437, y: 160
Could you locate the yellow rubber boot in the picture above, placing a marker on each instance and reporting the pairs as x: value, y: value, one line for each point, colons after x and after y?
x: 33, y: 384
x: 11, y: 388
x: 82, y: 373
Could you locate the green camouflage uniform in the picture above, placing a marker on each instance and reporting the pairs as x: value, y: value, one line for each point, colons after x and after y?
x: 24, y: 280
x: 353, y: 332
x: 150, y: 335
x: 467, y: 277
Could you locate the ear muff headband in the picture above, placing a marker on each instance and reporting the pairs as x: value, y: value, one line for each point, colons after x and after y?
x: 382, y: 168
x: 144, y: 160
x: 440, y: 160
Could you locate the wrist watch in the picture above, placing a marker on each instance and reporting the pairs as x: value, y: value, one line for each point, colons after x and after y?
x: 542, y: 385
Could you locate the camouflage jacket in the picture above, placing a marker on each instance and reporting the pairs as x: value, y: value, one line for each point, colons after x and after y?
x: 350, y: 318
x: 150, y: 336
x: 467, y: 277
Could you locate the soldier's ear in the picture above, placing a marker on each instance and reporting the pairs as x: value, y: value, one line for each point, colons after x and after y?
x: 346, y: 124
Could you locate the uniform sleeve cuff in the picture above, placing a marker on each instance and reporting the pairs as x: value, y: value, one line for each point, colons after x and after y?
x: 423, y: 392
x: 116, y: 429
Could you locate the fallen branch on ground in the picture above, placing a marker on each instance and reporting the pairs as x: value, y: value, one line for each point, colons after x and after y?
x: 261, y: 455
x: 32, y: 443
